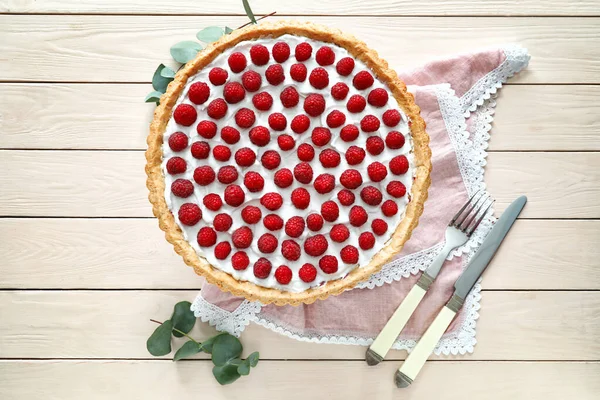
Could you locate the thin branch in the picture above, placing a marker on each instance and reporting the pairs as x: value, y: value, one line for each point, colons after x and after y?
x: 258, y: 19
x: 178, y: 331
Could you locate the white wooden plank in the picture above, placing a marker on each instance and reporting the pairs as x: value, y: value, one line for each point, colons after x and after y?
x: 113, y: 116
x: 132, y: 253
x: 128, y: 48
x: 62, y: 324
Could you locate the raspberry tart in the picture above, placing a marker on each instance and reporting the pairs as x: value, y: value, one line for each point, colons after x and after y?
x: 287, y: 163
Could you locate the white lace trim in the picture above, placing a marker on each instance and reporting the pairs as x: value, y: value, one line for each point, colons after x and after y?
x: 232, y: 322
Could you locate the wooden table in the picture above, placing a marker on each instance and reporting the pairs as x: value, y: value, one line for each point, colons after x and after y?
x: 84, y: 266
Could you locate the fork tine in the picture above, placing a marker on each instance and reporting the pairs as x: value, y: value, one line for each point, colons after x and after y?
x: 465, y: 215
x: 470, y: 230
x: 464, y: 224
x: 463, y: 208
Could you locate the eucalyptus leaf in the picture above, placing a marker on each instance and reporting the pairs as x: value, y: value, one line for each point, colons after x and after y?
x: 249, y: 12
x: 225, y: 348
x: 159, y: 82
x: 153, y: 97
x: 244, y: 368
x: 226, y: 374
x: 159, y: 343
x: 210, y: 34
x: 207, y: 345
x: 185, y: 51
x: 167, y: 73
x: 188, y: 349
x: 228, y: 30
x: 253, y: 359
x: 183, y: 318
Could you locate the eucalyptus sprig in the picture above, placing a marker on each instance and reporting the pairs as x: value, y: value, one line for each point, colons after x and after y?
x: 224, y: 348
x: 187, y: 50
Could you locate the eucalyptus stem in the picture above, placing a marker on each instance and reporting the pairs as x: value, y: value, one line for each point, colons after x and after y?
x: 257, y: 19
x: 178, y: 331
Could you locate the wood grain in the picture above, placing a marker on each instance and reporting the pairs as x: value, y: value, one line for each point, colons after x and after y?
x: 132, y: 253
x: 128, y: 49
x: 100, y: 117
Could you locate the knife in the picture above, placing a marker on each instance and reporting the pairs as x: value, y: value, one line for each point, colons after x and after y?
x: 416, y: 359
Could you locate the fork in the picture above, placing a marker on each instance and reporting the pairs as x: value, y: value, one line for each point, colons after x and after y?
x: 459, y: 230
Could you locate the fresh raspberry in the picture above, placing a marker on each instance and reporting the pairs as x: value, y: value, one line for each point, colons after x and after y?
x: 281, y: 52
x: 298, y: 72
x: 355, y: 155
x: 389, y: 208
x: 245, y: 157
x: 240, y: 261
x: 358, y: 216
x: 346, y: 197
x: 399, y: 165
x: 377, y: 171
x: 217, y: 109
x: 335, y: 119
x: 217, y: 76
x: 394, y: 140
x: 319, y: 78
x: 371, y: 195
x: 303, y: 172
x: 314, y: 222
x: 369, y: 123
x: 378, y: 97
x: 349, y: 254
x: 270, y: 159
x: 283, y: 274
x: 271, y: 201
x: 234, y: 195
x: 178, y: 141
x: 324, y: 183
x: 294, y: 226
x: 206, y: 129
x: 314, y: 105
x: 234, y: 92
x: 349, y: 133
x: 366, y: 240
x: 259, y: 54
x: 199, y: 92
x: 328, y: 264
x: 222, y: 250
x: 330, y: 211
x: 254, y: 182
x: 273, y: 222
x: 321, y: 136
x: 300, y: 198
x: 375, y: 145
x: 267, y: 243
x: 289, y: 97
x: 204, y: 175
x: 290, y: 250
x: 242, y: 237
x: 274, y: 74
x: 176, y: 165
x: 345, y: 66
x: 185, y: 114
x: 300, y: 123
x: 221, y: 153
x: 316, y: 245
x: 212, y: 201
x: 339, y: 91
x: 305, y: 152
x: 286, y: 142
x: 307, y: 273
x: 303, y: 51
x: 207, y: 237
x: 283, y: 178
x: 325, y: 56
x: 339, y: 233
x: 222, y: 222
x: 277, y: 121
x: 391, y: 118
x: 251, y: 81
x: 251, y: 214
x: 396, y: 189
x: 262, y: 101
x: 351, y: 179
x: 245, y: 118
x: 356, y: 103
x: 200, y: 150
x: 189, y: 214
x: 260, y: 136
x: 379, y: 226
x: 329, y: 158
x: 363, y: 80
x: 237, y: 62
x: 182, y: 188
x: 262, y: 268
x: 230, y: 135
x: 227, y: 174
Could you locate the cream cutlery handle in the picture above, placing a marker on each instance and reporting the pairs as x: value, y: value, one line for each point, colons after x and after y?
x: 416, y: 359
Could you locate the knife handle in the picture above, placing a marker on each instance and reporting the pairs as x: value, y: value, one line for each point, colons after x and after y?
x: 416, y: 359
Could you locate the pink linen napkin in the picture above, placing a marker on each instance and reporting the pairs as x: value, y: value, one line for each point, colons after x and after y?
x: 456, y: 96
